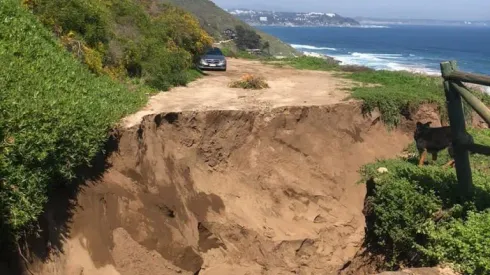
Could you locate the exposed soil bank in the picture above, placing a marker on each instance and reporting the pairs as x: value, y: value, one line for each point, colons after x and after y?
x: 227, y: 192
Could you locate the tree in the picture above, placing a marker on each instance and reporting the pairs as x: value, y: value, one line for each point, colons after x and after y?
x: 267, y: 47
x: 247, y: 38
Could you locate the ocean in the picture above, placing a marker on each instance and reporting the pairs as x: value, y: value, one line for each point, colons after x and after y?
x: 412, y: 48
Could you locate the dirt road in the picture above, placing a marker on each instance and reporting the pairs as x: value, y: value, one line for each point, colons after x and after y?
x: 288, y: 87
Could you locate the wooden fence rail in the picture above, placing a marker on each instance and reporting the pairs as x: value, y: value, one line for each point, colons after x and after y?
x: 469, y: 78
x: 462, y: 141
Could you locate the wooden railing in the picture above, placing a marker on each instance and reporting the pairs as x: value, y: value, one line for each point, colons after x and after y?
x: 462, y: 142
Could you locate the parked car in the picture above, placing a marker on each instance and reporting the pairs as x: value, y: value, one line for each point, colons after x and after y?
x: 213, y: 59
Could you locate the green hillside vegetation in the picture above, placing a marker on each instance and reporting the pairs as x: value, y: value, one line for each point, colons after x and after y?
x: 54, y: 115
x: 127, y: 38
x: 69, y: 70
x: 215, y: 20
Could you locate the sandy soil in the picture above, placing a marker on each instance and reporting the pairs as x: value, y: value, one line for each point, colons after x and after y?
x: 288, y: 87
x: 229, y: 192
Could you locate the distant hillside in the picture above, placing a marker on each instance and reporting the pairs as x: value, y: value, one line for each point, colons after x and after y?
x: 271, y: 18
x: 215, y: 20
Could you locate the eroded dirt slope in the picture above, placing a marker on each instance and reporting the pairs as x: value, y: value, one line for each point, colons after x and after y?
x: 229, y: 192
x: 212, y: 180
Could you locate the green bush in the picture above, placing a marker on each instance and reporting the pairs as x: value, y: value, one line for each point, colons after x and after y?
x: 312, y: 63
x: 167, y: 69
x: 54, y: 116
x: 80, y: 16
x: 401, y: 210
x: 247, y: 38
x: 113, y: 34
x: 464, y: 242
x: 416, y: 216
x: 228, y: 52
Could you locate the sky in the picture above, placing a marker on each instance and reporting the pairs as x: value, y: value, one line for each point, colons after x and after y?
x: 403, y: 9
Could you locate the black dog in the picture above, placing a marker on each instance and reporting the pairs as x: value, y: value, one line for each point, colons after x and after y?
x: 433, y: 140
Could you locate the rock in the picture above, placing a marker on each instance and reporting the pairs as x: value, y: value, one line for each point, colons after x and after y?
x: 319, y: 219
x: 382, y: 170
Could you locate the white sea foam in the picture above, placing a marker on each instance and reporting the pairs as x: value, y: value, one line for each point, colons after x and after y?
x: 372, y: 27
x: 377, y: 61
x: 391, y: 62
x: 482, y: 88
x: 309, y: 47
x: 376, y: 57
x: 314, y: 54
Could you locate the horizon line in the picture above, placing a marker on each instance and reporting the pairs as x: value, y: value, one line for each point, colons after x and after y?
x: 365, y: 17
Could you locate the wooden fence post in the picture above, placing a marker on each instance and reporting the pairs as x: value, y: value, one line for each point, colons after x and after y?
x: 458, y: 130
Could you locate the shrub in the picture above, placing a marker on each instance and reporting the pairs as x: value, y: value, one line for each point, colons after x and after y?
x: 416, y: 216
x: 183, y: 29
x: 250, y: 81
x: 80, y: 16
x: 267, y: 47
x: 228, y: 52
x: 312, y: 63
x: 167, y: 69
x: 400, y: 210
x: 247, y: 38
x: 464, y: 242
x: 110, y: 35
x: 54, y: 116
x: 355, y: 68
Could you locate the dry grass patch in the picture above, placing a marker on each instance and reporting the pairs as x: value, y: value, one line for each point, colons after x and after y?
x: 250, y: 81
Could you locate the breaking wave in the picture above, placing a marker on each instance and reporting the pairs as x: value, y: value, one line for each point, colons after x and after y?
x: 313, y: 48
x: 377, y: 61
x: 390, y: 62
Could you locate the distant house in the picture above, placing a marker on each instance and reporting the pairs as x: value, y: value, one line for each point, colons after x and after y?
x: 231, y: 34
x: 263, y: 19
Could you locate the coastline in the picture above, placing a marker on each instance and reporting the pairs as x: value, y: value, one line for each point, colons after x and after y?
x: 364, y: 26
x: 481, y: 88
x: 333, y: 58
x: 413, y: 49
